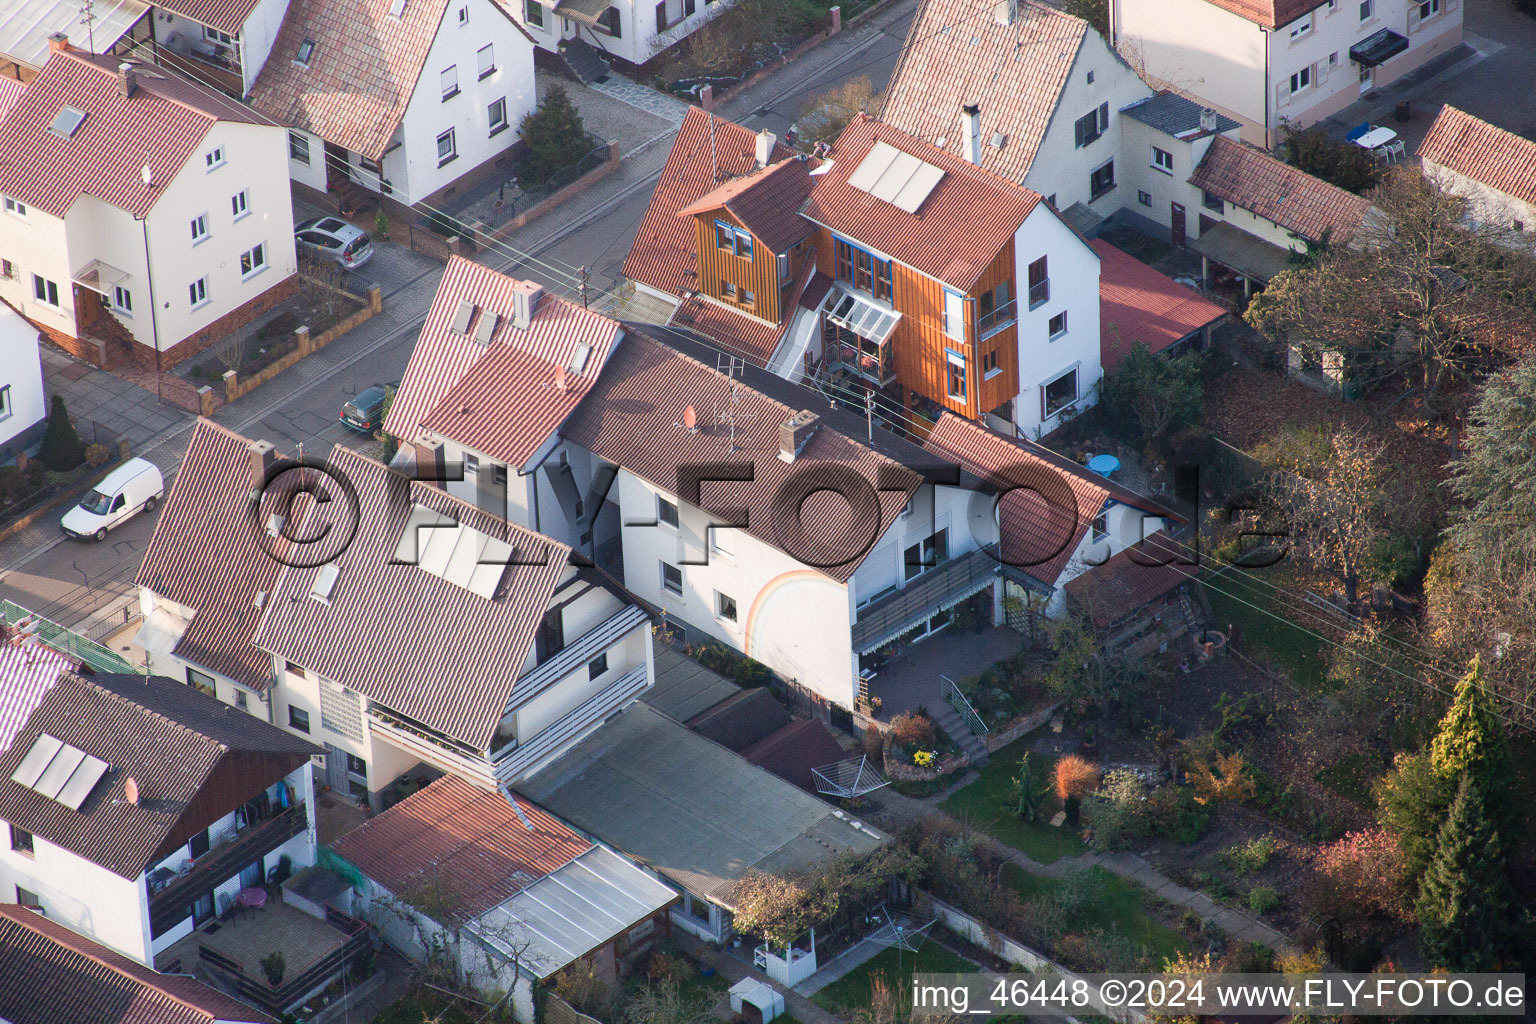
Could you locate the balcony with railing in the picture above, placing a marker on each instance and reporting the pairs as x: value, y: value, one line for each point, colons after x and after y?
x: 1039, y: 293
x: 171, y: 898
x: 941, y: 587
x: 516, y: 761
x: 991, y: 322
x: 428, y: 744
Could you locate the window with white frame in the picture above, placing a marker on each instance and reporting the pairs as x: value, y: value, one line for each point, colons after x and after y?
x: 1144, y: 198
x: 298, y: 148
x: 533, y: 13
x: 5, y: 402
x: 45, y: 291
x: 122, y: 300
x: 14, y: 207
x: 463, y: 15
x: 1057, y: 326
x: 497, y: 113
x: 1428, y: 9
x: 1301, y: 26
x: 197, y: 292
x: 485, y: 59
x: 720, y: 542
x: 671, y: 578
x: 1367, y: 9
x: 199, y: 228
x: 447, y: 147
x: 1162, y: 160
x: 449, y: 80
x: 213, y: 35
x: 725, y: 607
x: 954, y: 374
x: 954, y: 315
x: 597, y: 666
x: 253, y: 261
x: 240, y: 203
x: 214, y: 158
x: 1058, y: 394
x: 666, y: 512
x: 1301, y: 80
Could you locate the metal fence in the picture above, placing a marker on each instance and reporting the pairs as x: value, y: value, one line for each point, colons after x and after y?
x: 69, y: 643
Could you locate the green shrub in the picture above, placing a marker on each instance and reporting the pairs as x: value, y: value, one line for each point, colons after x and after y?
x: 1249, y: 857
x: 442, y: 224
x: 62, y: 448
x: 556, y: 139
x: 1177, y: 815
x: 717, y: 658
x: 750, y: 672
x: 1262, y: 899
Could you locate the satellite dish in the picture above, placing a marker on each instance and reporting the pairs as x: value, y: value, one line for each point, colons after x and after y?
x: 691, y: 418
x: 131, y: 791
x: 146, y: 175
x: 560, y: 382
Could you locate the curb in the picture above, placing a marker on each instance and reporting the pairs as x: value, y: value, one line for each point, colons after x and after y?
x: 16, y: 526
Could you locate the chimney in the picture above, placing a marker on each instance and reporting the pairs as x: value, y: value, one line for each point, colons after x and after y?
x: 1208, y: 120
x: 1005, y: 11
x: 59, y: 42
x: 765, y: 143
x: 795, y: 432
x: 126, y: 80
x: 263, y: 455
x: 970, y: 131
x: 525, y: 302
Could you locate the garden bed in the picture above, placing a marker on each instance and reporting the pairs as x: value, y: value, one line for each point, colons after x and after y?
x: 1081, y: 903
x: 987, y: 804
x: 318, y: 306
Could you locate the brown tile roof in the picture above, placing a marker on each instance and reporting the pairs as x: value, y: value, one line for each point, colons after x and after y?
x: 791, y: 752
x: 969, y: 217
x: 500, y: 398
x: 168, y: 737
x: 1486, y: 153
x: 956, y: 53
x: 1290, y: 197
x: 51, y: 975
x: 1042, y: 523
x: 737, y: 333
x: 224, y: 15
x: 1131, y: 579
x: 766, y: 202
x: 464, y: 845
x: 162, y: 124
x: 634, y: 416
x: 1269, y: 13
x: 204, y: 554
x: 1138, y: 303
x: 436, y: 652
x: 663, y: 253
x: 364, y: 69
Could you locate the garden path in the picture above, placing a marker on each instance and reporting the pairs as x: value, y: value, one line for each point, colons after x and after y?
x: 727, y: 966
x: 903, y: 810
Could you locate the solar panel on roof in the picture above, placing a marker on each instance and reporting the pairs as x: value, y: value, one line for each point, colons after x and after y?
x: 461, y: 317
x: 872, y: 166
x: 82, y: 782
x: 59, y: 770
x: 31, y: 768
x: 900, y: 179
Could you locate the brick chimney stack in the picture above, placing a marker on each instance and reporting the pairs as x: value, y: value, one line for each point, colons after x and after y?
x: 59, y: 42
x: 127, y: 80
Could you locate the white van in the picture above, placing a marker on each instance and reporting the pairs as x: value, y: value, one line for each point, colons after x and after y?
x: 135, y: 486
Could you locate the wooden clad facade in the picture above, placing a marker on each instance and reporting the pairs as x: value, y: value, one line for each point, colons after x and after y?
x: 759, y: 275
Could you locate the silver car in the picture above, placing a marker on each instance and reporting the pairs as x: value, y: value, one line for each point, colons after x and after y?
x: 334, y: 239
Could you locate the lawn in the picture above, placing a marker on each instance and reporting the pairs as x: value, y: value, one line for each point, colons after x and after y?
x: 984, y: 803
x: 423, y: 1005
x: 853, y: 990
x: 1259, y: 632
x: 1118, y: 906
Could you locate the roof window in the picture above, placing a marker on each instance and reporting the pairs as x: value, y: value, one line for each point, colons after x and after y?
x: 306, y: 51
x: 67, y: 122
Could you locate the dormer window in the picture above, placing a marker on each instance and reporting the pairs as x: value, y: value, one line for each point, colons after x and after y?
x: 306, y: 51
x: 67, y: 122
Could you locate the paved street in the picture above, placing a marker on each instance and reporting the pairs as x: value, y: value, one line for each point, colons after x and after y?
x: 73, y: 582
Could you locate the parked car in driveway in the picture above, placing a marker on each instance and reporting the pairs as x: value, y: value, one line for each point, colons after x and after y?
x: 135, y: 486
x: 366, y: 411
x: 332, y: 238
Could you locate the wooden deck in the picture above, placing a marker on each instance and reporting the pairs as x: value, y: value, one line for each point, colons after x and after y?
x: 247, y: 937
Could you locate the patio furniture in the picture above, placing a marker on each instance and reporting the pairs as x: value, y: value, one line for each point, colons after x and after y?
x: 1104, y: 465
x: 1376, y: 138
x: 253, y: 898
x: 1357, y: 131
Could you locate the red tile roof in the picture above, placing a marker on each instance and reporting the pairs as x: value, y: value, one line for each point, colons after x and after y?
x: 224, y: 15
x: 1138, y: 303
x: 956, y: 54
x: 737, y: 333
x: 1290, y: 197
x: 51, y: 975
x: 435, y: 652
x: 707, y: 151
x: 633, y: 418
x: 1486, y: 153
x: 499, y: 399
x: 1043, y: 522
x: 969, y: 217
x: 766, y: 202
x: 204, y: 555
x: 363, y: 72
x: 10, y: 93
x: 1269, y: 13
x: 1131, y: 579
x: 162, y: 733
x: 464, y: 845
x: 162, y: 125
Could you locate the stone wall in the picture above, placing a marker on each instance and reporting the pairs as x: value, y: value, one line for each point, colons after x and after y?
x: 235, y: 386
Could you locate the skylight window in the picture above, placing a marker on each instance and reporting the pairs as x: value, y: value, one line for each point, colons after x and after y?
x: 306, y: 51
x: 67, y: 123
x: 397, y: 8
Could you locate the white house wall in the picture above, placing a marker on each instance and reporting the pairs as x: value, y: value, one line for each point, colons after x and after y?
x: 80, y: 895
x: 1486, y: 206
x: 1073, y: 269
x: 1125, y: 526
x: 257, y: 36
x: 22, y: 373
x: 794, y: 619
x: 312, y: 171
x: 564, y: 697
x: 427, y: 115
x: 1062, y: 169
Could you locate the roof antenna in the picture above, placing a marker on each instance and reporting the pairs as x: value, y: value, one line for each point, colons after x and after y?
x: 732, y: 367
x: 88, y: 19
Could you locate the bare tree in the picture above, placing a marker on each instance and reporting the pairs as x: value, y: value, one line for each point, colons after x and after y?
x: 827, y: 113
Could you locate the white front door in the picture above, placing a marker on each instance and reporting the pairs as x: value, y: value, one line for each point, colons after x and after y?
x: 1367, y: 79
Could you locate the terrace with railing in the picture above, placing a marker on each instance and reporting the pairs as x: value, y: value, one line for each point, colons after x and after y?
x: 172, y: 901
x: 66, y: 641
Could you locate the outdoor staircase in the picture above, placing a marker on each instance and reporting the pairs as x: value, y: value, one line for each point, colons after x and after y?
x: 583, y: 61
x: 948, y: 720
